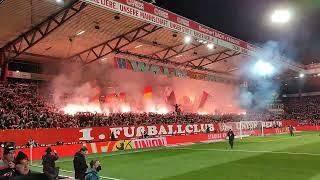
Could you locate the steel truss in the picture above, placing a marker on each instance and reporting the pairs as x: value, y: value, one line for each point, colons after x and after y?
x: 114, y: 45
x: 161, y: 61
x: 174, y: 51
x: 28, y: 39
x: 212, y: 61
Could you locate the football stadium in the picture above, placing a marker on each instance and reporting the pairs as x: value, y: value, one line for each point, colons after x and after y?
x: 128, y: 89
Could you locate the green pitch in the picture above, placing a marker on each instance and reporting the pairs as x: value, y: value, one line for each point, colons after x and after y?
x: 277, y: 157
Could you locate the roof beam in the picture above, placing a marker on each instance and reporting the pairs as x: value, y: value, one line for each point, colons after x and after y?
x: 114, y: 45
x: 175, y: 51
x: 206, y: 56
x: 30, y: 38
x: 217, y: 59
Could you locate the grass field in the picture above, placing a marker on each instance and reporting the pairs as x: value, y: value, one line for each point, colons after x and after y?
x: 278, y: 157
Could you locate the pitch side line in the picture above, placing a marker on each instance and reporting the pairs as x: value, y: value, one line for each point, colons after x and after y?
x: 250, y: 151
x: 280, y: 139
x: 103, y: 177
x: 116, y: 154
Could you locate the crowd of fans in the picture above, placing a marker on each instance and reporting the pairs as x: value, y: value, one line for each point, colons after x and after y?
x: 21, y: 107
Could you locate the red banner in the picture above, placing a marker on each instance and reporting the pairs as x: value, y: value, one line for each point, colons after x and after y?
x: 122, y: 145
x: 51, y: 136
x: 67, y: 135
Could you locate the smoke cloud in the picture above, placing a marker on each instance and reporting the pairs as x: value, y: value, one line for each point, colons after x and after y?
x: 263, y: 86
x: 78, y: 88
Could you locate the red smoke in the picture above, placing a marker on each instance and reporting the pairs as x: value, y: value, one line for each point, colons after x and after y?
x: 79, y: 89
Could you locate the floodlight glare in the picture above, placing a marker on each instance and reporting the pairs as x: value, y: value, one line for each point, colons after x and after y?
x: 301, y: 75
x: 187, y: 39
x: 263, y: 68
x: 281, y: 16
x: 210, y: 46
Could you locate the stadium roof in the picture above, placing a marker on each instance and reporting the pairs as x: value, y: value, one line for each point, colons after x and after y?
x: 91, y: 30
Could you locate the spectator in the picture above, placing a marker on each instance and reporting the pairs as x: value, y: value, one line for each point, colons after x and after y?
x: 22, y: 167
x: 49, y: 165
x: 92, y: 173
x: 80, y: 164
x: 7, y: 163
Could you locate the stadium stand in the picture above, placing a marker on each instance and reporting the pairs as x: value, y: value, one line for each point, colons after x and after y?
x: 21, y: 108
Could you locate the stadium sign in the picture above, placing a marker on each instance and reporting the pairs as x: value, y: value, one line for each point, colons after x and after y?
x: 149, y: 13
x: 248, y: 125
x: 68, y: 135
x: 151, y: 130
x: 148, y: 143
x: 137, y: 66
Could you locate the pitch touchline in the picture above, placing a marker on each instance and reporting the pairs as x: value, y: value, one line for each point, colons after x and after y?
x: 249, y: 151
x: 117, y: 154
x: 103, y: 177
x: 280, y: 139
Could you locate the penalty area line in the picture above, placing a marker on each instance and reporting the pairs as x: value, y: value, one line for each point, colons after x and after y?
x: 250, y: 151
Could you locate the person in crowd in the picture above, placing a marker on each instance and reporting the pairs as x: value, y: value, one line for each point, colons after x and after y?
x: 112, y: 137
x: 80, y: 164
x: 49, y: 165
x: 22, y: 170
x: 145, y: 135
x: 22, y: 167
x: 7, y: 162
x: 177, y: 109
x: 92, y: 172
x: 230, y: 136
x: 208, y: 130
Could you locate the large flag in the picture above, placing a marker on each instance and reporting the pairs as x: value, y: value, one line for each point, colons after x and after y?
x: 122, y: 96
x: 147, y: 93
x: 171, y: 99
x: 186, y: 100
x: 203, y: 99
x: 111, y: 97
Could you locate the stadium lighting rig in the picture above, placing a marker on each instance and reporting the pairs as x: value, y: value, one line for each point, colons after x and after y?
x: 139, y: 46
x: 187, y: 39
x: 301, y: 75
x: 60, y: 1
x: 263, y: 68
x: 281, y: 16
x: 80, y: 32
x: 210, y: 46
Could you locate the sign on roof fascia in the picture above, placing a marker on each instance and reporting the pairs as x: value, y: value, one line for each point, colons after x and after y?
x: 149, y: 13
x: 161, y: 17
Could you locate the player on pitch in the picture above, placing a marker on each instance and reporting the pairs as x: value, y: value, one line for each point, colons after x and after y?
x: 230, y: 135
x: 291, y: 130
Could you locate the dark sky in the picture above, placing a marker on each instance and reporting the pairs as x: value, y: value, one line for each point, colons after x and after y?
x: 249, y: 20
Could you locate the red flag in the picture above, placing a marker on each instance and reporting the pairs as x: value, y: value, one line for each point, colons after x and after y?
x: 172, y: 99
x: 122, y: 96
x: 203, y: 100
x: 147, y: 93
x: 186, y: 100
x: 110, y: 97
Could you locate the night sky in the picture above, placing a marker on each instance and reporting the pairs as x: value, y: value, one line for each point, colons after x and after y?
x: 249, y: 20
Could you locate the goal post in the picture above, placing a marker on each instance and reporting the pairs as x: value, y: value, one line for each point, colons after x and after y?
x: 31, y: 154
x: 262, y: 128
